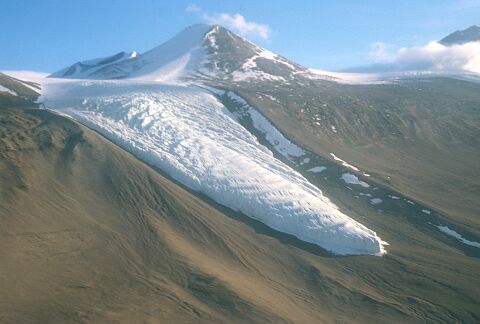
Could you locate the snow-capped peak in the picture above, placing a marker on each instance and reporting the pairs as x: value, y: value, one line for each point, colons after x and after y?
x: 199, y: 51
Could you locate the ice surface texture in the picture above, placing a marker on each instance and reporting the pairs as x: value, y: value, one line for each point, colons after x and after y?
x: 189, y: 134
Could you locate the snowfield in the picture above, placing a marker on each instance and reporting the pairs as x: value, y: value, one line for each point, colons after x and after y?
x: 189, y: 134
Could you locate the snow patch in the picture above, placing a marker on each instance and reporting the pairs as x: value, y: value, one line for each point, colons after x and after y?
x: 281, y: 144
x: 353, y: 179
x: 317, y: 169
x: 345, y: 164
x: 7, y: 90
x: 376, y: 201
x: 450, y: 232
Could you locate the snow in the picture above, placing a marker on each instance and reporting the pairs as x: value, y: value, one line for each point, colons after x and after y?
x: 345, y: 164
x: 245, y: 75
x: 344, y: 77
x: 179, y: 57
x: 281, y: 144
x: 450, y: 232
x: 384, y: 77
x: 4, y: 89
x: 186, y: 132
x: 274, y: 57
x: 86, y: 69
x: 25, y: 75
x: 376, y: 201
x: 182, y: 56
x: 210, y: 36
x: 365, y: 194
x: 250, y: 70
x: 317, y: 169
x: 353, y: 179
x: 272, y: 98
x: 189, y: 54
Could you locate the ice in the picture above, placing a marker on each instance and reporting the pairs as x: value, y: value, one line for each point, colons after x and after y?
x: 317, y: 169
x: 281, y: 144
x: 353, y: 179
x: 450, y: 232
x: 4, y: 89
x: 190, y: 135
x: 376, y: 201
x: 250, y: 70
x: 344, y: 163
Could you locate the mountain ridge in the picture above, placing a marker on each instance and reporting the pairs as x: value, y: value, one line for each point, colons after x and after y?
x: 470, y: 34
x: 199, y: 51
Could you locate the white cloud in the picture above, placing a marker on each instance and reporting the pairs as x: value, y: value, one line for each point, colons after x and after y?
x: 238, y: 23
x: 193, y: 8
x: 381, y: 52
x: 235, y: 22
x: 430, y: 57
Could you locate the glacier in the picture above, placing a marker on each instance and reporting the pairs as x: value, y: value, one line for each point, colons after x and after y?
x: 156, y: 106
x: 188, y: 133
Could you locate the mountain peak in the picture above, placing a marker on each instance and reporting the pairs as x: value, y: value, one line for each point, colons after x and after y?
x: 471, y: 34
x: 199, y: 51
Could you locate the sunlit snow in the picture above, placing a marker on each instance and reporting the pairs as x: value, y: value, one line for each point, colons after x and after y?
x: 188, y: 133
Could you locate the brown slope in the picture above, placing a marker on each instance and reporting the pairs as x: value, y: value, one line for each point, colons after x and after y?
x: 88, y: 233
x: 419, y: 137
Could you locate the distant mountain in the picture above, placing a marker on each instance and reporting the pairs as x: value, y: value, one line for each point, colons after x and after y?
x: 200, y: 51
x: 87, y: 69
x: 470, y: 34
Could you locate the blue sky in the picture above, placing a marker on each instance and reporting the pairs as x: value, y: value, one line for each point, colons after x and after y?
x: 50, y: 34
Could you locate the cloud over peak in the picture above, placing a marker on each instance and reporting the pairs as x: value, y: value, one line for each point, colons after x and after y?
x: 235, y: 22
x: 238, y: 23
